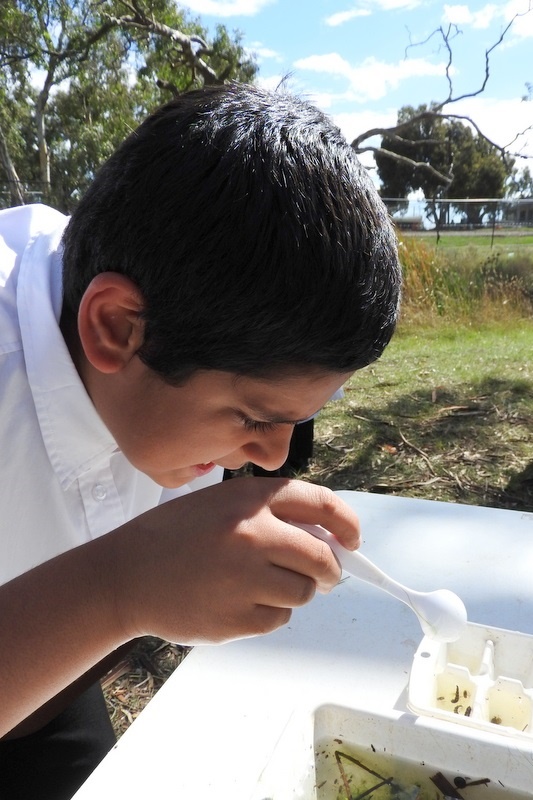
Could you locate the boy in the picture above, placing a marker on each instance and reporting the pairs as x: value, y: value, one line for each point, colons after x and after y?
x: 227, y: 271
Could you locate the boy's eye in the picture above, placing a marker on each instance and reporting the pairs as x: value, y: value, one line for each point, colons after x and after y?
x: 256, y: 425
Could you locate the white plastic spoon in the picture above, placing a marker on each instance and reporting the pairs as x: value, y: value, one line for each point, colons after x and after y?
x: 442, y: 615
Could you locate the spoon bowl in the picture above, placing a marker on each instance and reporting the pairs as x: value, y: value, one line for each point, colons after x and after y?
x: 442, y: 615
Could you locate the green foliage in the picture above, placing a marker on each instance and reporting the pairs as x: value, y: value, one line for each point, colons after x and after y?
x: 478, y: 171
x: 77, y: 75
x: 520, y: 184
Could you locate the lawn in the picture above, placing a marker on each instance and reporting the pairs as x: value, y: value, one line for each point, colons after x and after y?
x: 446, y: 414
x: 505, y: 240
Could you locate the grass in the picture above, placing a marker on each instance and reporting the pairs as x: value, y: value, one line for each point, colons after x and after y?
x: 445, y: 414
x: 503, y: 239
x: 499, y: 240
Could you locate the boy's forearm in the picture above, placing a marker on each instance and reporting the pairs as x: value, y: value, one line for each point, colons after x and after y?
x: 44, y: 714
x: 56, y: 622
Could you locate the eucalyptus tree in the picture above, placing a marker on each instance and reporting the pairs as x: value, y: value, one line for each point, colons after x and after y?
x: 77, y: 75
x: 520, y: 185
x: 434, y: 146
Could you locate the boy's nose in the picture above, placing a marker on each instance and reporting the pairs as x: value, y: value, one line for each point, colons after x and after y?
x: 270, y: 450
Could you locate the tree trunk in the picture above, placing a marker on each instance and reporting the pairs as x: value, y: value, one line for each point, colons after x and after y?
x: 15, y: 186
x: 44, y: 154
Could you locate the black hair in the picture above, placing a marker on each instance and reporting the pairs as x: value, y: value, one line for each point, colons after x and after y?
x: 255, y: 235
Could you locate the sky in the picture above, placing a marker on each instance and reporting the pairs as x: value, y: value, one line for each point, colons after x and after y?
x: 360, y: 61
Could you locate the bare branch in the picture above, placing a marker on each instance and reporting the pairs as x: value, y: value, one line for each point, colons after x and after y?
x: 422, y: 165
x: 394, y: 131
x: 513, y: 140
x: 140, y: 20
x: 452, y: 32
x: 168, y: 86
x: 439, y: 110
x: 446, y: 38
x: 450, y: 59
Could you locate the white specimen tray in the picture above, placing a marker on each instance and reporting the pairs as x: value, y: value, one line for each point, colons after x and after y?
x: 336, y: 752
x: 483, y: 680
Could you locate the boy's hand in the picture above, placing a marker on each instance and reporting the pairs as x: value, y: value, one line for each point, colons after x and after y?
x: 222, y: 563
x: 214, y: 565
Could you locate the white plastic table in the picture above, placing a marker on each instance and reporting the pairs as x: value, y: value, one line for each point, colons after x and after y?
x: 212, y: 727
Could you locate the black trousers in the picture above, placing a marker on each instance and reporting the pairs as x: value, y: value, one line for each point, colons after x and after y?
x: 52, y: 763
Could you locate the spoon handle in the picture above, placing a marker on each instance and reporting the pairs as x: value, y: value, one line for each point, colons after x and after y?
x: 442, y: 615
x: 357, y: 564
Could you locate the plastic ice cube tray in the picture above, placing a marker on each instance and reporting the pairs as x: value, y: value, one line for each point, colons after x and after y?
x: 484, y: 680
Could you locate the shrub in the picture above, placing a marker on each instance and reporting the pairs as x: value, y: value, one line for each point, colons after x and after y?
x: 463, y: 285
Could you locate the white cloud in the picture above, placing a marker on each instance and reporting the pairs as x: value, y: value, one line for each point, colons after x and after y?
x: 491, y: 12
x: 456, y: 15
x: 270, y: 83
x: 462, y: 15
x: 227, y: 8
x: 393, y: 5
x: 353, y: 124
x: 263, y: 53
x: 372, y: 79
x: 366, y: 7
x: 345, y: 16
x: 501, y: 121
x: 523, y: 24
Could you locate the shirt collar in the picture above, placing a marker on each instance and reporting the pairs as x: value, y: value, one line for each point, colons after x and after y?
x: 74, y: 435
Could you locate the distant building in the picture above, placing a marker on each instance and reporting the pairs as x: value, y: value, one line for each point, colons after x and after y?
x: 519, y: 212
x: 408, y: 223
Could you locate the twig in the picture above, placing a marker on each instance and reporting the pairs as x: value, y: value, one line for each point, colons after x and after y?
x: 346, y: 782
x: 121, y: 669
x: 419, y: 451
x: 391, y: 487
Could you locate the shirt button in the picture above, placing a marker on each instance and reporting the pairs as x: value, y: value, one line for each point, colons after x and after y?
x: 99, y: 492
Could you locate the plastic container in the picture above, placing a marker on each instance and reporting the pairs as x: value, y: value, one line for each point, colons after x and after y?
x: 483, y: 680
x: 336, y: 752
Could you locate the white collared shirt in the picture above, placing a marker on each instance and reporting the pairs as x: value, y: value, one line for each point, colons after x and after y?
x: 63, y: 480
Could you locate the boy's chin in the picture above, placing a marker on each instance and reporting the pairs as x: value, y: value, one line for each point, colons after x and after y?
x: 173, y: 480
x: 179, y: 477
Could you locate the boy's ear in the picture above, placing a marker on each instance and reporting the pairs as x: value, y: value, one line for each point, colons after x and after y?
x: 109, y: 321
